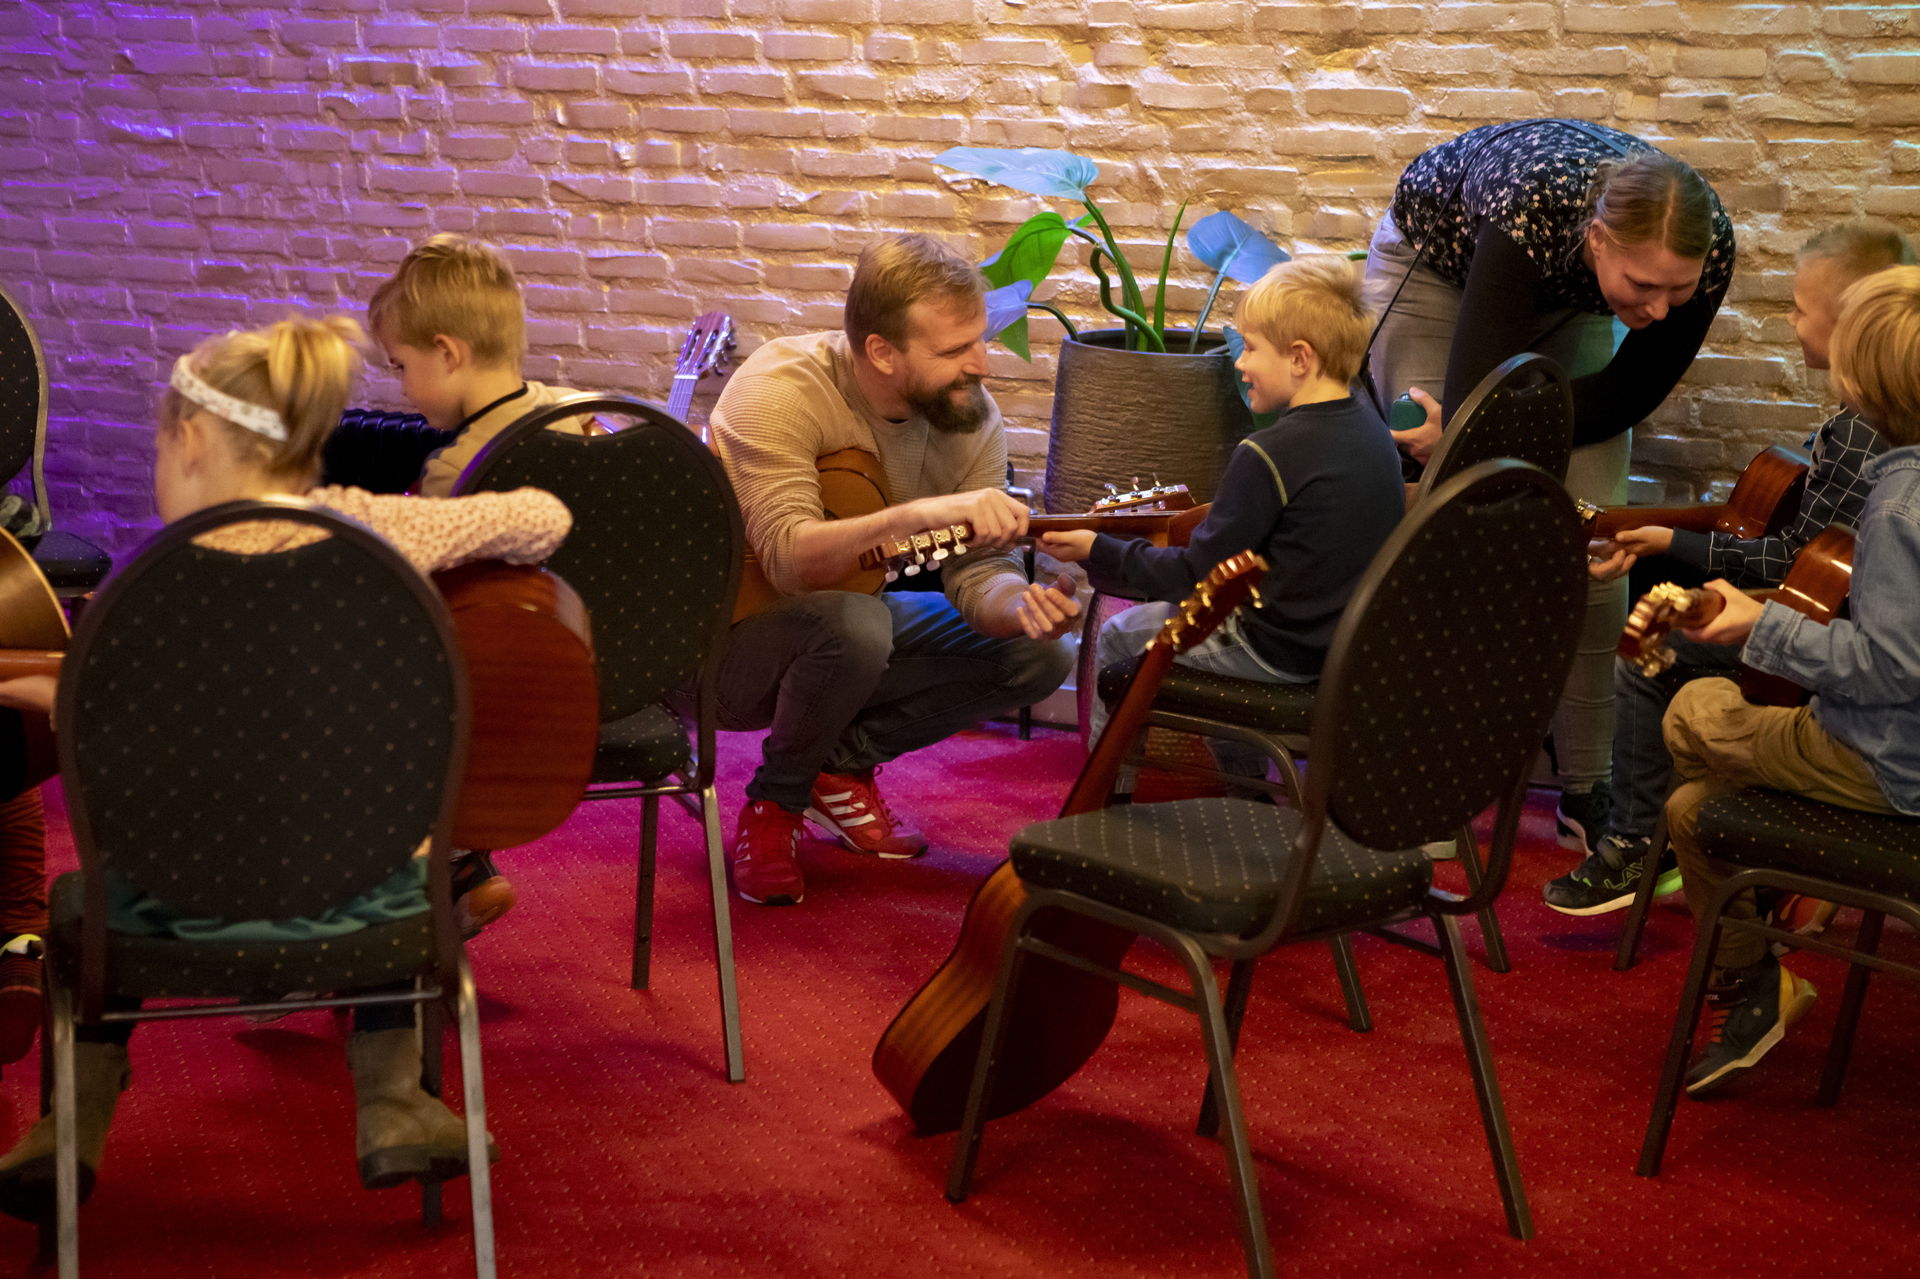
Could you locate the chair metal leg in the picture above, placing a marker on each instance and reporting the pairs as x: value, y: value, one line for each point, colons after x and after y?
x: 1239, y: 987
x: 1224, y: 1086
x: 1840, y: 1051
x: 723, y: 938
x: 66, y: 1152
x: 1486, y: 1085
x: 643, y: 893
x: 432, y: 1015
x: 1359, y: 1017
x: 479, y: 1172
x: 1490, y: 935
x: 973, y: 1120
x: 1628, y: 952
x: 1653, y: 1146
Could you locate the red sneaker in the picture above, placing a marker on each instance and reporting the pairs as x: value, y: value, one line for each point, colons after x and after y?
x: 849, y: 808
x: 766, y: 867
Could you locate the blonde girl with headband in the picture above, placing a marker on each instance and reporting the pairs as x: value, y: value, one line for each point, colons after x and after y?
x: 245, y: 416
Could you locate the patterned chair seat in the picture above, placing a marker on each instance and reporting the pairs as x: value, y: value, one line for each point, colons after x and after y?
x: 1764, y: 828
x: 1272, y: 707
x: 1214, y: 865
x: 70, y: 563
x: 647, y: 747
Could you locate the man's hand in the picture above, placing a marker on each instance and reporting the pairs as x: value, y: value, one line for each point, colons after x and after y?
x: 998, y: 520
x: 1068, y: 548
x: 1736, y: 620
x: 1651, y: 540
x: 1419, y: 441
x: 1608, y: 560
x: 1048, y: 612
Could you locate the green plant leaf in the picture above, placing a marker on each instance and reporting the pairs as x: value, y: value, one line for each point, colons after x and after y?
x: 1030, y: 252
x: 1232, y: 248
x: 1007, y: 317
x: 1034, y: 170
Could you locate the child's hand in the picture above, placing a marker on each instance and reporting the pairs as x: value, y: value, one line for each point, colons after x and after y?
x: 1068, y: 548
x: 1419, y: 441
x: 1608, y: 560
x: 29, y: 693
x: 1048, y: 612
x: 1736, y: 620
x: 1651, y: 540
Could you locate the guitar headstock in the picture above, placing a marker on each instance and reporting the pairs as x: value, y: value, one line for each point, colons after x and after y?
x: 709, y: 344
x: 1143, y: 498
x: 1587, y: 512
x: 906, y: 556
x: 1659, y: 613
x: 1233, y: 582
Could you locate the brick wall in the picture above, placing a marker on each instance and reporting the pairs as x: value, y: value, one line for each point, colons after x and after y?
x: 180, y: 168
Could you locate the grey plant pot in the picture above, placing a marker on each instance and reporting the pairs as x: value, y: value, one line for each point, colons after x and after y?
x: 1118, y: 414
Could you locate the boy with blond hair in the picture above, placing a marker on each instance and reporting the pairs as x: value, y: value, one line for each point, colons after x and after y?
x: 1858, y: 743
x: 453, y: 327
x: 1317, y: 493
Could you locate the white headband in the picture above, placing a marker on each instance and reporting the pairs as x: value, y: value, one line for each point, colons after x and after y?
x: 257, y: 418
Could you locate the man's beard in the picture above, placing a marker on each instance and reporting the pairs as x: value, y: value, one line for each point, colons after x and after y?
x: 946, y: 416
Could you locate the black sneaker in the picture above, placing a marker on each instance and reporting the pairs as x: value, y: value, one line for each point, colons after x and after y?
x: 1748, y: 1022
x: 1579, y: 820
x: 1607, y: 878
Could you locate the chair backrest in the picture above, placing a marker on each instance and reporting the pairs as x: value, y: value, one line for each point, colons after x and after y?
x: 657, y: 537
x: 1523, y: 409
x: 1449, y: 660
x: 252, y: 733
x: 23, y: 398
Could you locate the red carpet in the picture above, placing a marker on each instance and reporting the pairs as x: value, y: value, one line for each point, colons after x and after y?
x: 627, y: 1153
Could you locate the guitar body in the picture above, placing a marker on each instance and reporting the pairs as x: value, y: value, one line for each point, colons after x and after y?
x: 1060, y: 1015
x: 852, y: 484
x: 536, y: 700
x: 1763, y: 499
x: 30, y: 618
x: 1816, y: 585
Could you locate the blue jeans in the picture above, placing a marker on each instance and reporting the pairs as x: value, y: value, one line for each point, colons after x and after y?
x: 1642, y: 768
x: 1225, y: 652
x: 845, y: 682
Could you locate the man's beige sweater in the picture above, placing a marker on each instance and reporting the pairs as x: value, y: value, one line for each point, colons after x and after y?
x: 796, y: 399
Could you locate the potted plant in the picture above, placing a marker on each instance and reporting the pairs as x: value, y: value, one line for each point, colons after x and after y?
x: 1140, y: 398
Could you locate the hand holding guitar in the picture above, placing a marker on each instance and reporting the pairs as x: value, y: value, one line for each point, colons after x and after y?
x: 1734, y: 622
x: 1069, y: 548
x: 1046, y: 612
x: 29, y: 693
x: 1651, y: 540
x: 997, y: 520
x: 1607, y: 560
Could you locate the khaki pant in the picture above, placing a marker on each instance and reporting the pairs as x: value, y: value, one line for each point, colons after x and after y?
x: 1721, y: 742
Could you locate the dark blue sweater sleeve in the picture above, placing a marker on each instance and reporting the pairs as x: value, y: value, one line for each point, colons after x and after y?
x: 1245, y: 508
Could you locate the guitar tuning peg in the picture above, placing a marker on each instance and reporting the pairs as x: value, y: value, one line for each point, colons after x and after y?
x: 893, y: 575
x: 1136, y: 484
x: 912, y: 568
x: 1156, y: 481
x: 1111, y: 489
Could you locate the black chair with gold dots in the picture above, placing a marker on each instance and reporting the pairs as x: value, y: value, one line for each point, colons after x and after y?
x: 1522, y: 410
x: 1790, y: 844
x: 655, y: 553
x: 1393, y: 762
x: 73, y: 566
x: 260, y: 735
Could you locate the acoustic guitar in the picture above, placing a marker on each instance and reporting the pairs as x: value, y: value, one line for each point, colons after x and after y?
x: 708, y: 345
x: 535, y: 695
x: 1060, y: 1015
x: 1763, y: 499
x: 1816, y: 585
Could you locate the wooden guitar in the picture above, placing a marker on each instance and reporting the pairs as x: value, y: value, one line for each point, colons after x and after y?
x: 1815, y: 585
x: 1763, y: 499
x: 530, y: 673
x: 1060, y: 1015
x: 708, y: 345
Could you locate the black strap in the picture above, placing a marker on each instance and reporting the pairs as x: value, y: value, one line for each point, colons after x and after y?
x: 485, y: 409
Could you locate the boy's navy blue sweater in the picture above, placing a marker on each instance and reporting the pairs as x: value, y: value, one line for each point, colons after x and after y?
x: 1317, y: 493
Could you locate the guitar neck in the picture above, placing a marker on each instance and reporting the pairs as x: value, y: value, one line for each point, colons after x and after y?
x: 18, y: 663
x: 1693, y: 519
x: 680, y: 399
x: 1154, y: 524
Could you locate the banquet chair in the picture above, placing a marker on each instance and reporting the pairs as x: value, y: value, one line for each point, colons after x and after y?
x: 1521, y: 410
x: 1392, y: 764
x: 259, y: 736
x: 655, y: 553
x: 1791, y: 844
x: 73, y: 566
